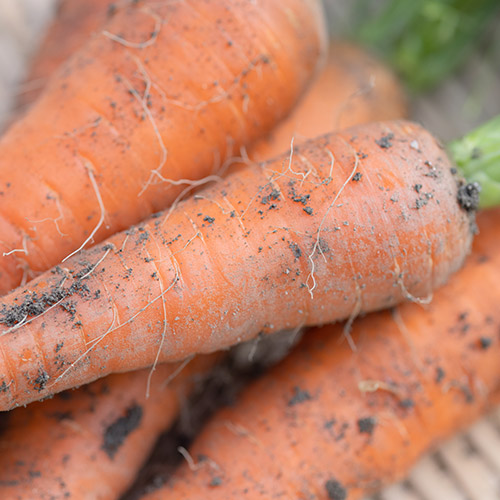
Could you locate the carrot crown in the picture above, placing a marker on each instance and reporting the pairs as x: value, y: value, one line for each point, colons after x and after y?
x: 477, y: 155
x: 423, y: 40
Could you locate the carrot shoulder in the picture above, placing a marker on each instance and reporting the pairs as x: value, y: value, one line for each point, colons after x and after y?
x: 351, y: 222
x: 330, y: 423
x: 165, y: 92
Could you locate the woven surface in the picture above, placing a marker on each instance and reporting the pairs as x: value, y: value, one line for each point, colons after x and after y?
x: 466, y: 467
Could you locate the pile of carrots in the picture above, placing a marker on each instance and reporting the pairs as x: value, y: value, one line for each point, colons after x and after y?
x: 210, y: 172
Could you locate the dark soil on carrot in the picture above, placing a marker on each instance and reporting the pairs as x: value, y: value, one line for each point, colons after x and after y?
x: 468, y: 196
x: 243, y: 364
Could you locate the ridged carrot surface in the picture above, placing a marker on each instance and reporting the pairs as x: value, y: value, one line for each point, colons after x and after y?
x: 165, y: 91
x: 351, y: 222
x: 330, y: 423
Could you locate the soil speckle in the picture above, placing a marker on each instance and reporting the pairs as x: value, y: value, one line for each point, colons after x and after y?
x: 41, y: 380
x: 485, y: 342
x: 116, y: 433
x: 468, y: 196
x: 335, y: 490
x: 297, y: 252
x: 300, y: 396
x: 385, y: 141
x: 366, y: 425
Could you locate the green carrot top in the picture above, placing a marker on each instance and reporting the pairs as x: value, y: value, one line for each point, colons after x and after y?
x: 424, y: 40
x: 477, y: 155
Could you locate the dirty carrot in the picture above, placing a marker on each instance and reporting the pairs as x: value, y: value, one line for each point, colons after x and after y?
x: 351, y: 87
x: 347, y: 223
x: 90, y: 443
x: 154, y: 101
x: 330, y: 423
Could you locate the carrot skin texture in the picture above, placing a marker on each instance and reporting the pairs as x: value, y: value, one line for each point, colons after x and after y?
x: 89, y: 443
x: 329, y: 423
x: 124, y: 119
x: 238, y: 259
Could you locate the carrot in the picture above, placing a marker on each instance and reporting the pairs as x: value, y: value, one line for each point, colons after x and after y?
x: 269, y: 248
x: 165, y: 92
x: 330, y: 423
x: 91, y: 442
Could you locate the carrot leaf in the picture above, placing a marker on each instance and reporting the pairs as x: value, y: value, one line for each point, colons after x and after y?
x: 477, y: 154
x: 424, y: 40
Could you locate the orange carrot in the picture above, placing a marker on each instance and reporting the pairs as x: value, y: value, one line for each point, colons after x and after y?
x: 305, y: 239
x: 330, y: 423
x: 91, y: 442
x: 353, y: 88
x: 165, y: 92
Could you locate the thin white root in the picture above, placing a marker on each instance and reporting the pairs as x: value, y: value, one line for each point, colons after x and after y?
x: 93, y: 344
x: 192, y: 184
x: 94, y: 267
x: 143, y: 101
x: 26, y: 321
x: 396, y: 316
x: 189, y: 459
x: 24, y: 249
x: 406, y: 294
x: 191, y: 463
x: 113, y: 327
x: 138, y: 45
x: 176, y: 372
x: 354, y: 314
x: 162, y: 341
x: 310, y: 278
x: 240, y: 431
x: 253, y: 350
x: 55, y: 221
x: 90, y: 238
x: 370, y: 385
